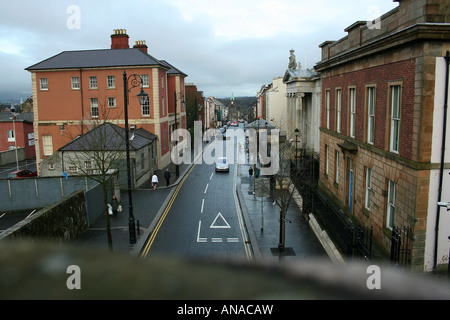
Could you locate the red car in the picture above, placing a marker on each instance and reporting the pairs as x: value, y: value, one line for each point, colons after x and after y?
x: 22, y: 174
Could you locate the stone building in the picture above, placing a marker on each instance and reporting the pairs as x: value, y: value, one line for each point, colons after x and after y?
x: 303, y: 91
x: 382, y: 126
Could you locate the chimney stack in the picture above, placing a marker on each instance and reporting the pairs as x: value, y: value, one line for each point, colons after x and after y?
x: 140, y: 44
x: 119, y: 40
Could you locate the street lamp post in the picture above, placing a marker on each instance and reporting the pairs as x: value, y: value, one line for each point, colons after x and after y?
x: 136, y: 80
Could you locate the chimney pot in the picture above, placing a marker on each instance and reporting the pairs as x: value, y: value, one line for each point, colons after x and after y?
x: 140, y: 44
x: 119, y: 39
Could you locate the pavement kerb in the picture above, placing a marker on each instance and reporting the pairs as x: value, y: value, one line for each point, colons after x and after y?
x: 248, y: 223
x: 140, y: 244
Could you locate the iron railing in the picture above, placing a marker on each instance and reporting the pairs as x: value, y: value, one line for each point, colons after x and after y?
x: 400, y: 246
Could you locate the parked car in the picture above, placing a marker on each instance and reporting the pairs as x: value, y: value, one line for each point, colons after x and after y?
x: 22, y: 174
x: 222, y: 164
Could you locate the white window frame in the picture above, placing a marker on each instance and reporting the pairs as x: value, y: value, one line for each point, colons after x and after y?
x: 71, y: 168
x: 11, y: 135
x: 112, y: 102
x: 352, y: 109
x: 326, y: 158
x: 145, y: 108
x: 390, y: 214
x: 338, y: 110
x: 93, y: 82
x: 328, y: 108
x: 47, y: 145
x: 75, y: 82
x: 394, y: 139
x: 111, y: 82
x: 371, y: 92
x: 94, y: 107
x: 43, y: 84
x: 368, y: 188
x: 145, y: 82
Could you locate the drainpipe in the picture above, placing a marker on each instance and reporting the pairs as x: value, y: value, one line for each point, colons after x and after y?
x: 82, y: 105
x: 447, y: 60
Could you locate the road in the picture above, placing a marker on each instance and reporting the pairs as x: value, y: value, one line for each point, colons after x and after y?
x: 25, y: 164
x: 203, y: 217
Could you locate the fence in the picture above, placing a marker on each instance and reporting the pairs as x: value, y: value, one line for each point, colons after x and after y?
x: 400, y: 249
x: 352, y: 240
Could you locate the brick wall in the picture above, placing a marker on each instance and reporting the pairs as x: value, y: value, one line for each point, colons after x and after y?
x: 381, y: 77
x: 409, y: 184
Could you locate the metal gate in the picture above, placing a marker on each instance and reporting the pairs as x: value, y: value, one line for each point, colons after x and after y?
x: 400, y: 250
x: 362, y: 242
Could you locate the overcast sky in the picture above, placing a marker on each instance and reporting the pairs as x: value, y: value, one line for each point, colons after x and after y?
x: 225, y: 46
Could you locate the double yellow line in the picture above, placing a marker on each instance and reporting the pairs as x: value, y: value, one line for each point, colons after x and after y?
x: 163, y: 216
x: 247, y: 247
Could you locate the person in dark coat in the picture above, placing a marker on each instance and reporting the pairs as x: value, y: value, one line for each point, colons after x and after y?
x: 115, y: 205
x: 167, y: 176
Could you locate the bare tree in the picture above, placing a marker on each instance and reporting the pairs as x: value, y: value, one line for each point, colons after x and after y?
x: 280, y: 186
x: 98, y: 153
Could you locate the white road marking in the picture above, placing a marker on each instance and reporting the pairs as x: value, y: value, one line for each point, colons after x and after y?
x: 203, y: 203
x: 198, y: 234
x: 213, y: 225
x: 211, y: 176
x: 206, y: 189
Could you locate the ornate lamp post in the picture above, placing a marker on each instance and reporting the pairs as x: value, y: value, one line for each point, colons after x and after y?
x: 136, y: 81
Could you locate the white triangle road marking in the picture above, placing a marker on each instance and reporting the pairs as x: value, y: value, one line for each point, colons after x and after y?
x: 214, y: 226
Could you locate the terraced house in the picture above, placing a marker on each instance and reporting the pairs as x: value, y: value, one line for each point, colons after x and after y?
x: 73, y: 89
x: 383, y: 124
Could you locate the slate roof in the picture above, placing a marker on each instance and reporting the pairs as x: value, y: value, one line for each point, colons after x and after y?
x: 296, y: 74
x: 25, y: 117
x: 96, y: 59
x: 172, y: 69
x: 115, y: 140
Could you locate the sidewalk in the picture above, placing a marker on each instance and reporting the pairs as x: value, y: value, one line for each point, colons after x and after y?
x: 147, y: 203
x: 263, y: 225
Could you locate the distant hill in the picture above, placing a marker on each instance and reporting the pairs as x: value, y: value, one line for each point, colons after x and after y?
x: 242, y: 103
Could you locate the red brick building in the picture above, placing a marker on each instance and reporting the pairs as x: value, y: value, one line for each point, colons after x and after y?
x: 195, y: 101
x: 18, y: 133
x: 379, y: 120
x: 75, y: 88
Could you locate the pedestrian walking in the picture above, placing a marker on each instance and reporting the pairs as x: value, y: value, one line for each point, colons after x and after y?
x: 167, y: 176
x: 250, y: 173
x: 154, y: 181
x: 115, y: 204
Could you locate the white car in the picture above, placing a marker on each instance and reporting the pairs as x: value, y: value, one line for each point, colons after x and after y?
x: 222, y: 164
